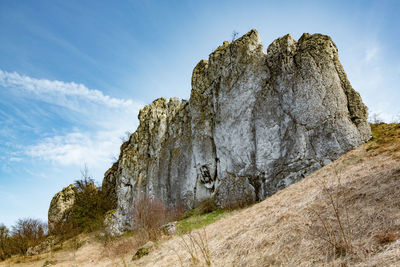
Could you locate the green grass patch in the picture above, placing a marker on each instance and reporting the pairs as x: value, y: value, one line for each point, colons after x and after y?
x: 384, y: 135
x: 199, y: 220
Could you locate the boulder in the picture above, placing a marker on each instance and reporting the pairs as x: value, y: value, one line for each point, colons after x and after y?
x: 60, y: 204
x: 143, y: 251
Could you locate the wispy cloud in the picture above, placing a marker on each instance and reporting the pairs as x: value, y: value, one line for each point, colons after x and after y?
x: 58, y: 90
x: 371, y: 53
x: 95, y: 126
x: 77, y: 148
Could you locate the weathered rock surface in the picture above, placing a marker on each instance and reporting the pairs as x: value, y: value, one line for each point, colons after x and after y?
x: 257, y: 121
x: 43, y: 247
x: 61, y: 202
x: 144, y: 250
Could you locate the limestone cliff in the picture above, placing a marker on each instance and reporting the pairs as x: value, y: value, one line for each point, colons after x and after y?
x: 61, y: 202
x: 256, y: 122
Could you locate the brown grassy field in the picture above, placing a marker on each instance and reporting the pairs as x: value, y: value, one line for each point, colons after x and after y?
x: 345, y: 214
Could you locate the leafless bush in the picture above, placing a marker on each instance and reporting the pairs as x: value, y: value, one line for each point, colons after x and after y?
x: 176, y: 212
x: 196, y: 245
x: 234, y: 35
x: 25, y: 233
x: 149, y: 214
x: 375, y: 118
x: 28, y: 233
x: 334, y: 224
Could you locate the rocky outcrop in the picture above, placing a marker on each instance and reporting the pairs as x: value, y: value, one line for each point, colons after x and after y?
x: 257, y: 121
x: 61, y: 202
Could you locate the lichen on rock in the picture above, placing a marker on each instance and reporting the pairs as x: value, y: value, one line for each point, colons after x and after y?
x: 257, y: 121
x: 61, y: 202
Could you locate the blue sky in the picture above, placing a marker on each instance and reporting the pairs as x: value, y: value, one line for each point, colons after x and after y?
x: 73, y: 74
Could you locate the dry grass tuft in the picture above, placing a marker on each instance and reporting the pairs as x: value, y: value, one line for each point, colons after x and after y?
x: 332, y: 224
x: 195, y: 244
x: 387, y: 236
x: 121, y: 247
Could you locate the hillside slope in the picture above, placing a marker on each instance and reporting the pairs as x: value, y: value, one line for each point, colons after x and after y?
x: 298, y: 226
x: 257, y: 121
x: 288, y: 228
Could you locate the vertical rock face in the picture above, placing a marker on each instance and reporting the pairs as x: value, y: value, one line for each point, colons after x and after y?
x: 256, y: 122
x: 61, y: 202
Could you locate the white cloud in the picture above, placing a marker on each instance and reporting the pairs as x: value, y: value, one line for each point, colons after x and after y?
x: 15, y: 159
x: 77, y: 148
x: 378, y: 113
x: 371, y: 53
x: 105, y: 120
x: 59, y: 92
x: 96, y: 147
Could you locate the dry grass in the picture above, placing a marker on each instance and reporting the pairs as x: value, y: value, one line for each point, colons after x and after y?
x: 280, y: 231
x: 121, y: 247
x: 196, y: 246
x: 91, y: 252
x: 149, y: 214
x: 364, y: 185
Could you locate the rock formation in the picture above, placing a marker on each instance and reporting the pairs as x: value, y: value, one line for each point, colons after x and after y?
x: 257, y: 121
x: 61, y: 202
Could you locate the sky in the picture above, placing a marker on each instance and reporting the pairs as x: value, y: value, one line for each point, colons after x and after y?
x: 74, y: 74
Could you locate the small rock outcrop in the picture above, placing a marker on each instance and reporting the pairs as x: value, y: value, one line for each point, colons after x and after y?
x: 144, y: 250
x: 256, y: 122
x: 61, y: 202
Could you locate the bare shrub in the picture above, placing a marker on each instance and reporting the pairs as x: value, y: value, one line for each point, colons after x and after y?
x: 196, y: 245
x: 28, y: 233
x: 333, y: 223
x: 375, y: 118
x: 149, y: 214
x: 176, y: 212
x: 234, y: 35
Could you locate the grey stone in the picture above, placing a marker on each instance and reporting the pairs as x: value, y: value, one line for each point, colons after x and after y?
x: 61, y: 202
x: 144, y: 250
x: 169, y: 228
x: 256, y: 122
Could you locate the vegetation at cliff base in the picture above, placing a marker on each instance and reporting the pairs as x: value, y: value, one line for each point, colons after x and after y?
x: 25, y: 234
x: 197, y: 221
x: 88, y: 211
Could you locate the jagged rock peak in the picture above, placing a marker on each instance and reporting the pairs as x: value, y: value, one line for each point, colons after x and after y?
x: 256, y: 122
x: 61, y: 202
